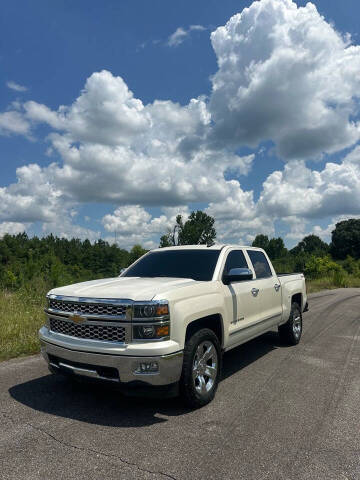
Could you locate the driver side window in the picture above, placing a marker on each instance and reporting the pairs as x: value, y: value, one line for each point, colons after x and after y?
x: 235, y: 259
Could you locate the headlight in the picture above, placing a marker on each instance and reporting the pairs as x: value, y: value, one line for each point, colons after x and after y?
x: 150, y: 309
x: 151, y: 332
x: 153, y: 320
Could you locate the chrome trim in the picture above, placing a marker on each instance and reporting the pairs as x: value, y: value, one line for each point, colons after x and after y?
x: 159, y: 323
x: 85, y: 372
x: 92, y: 340
x: 163, y: 318
x: 92, y: 322
x: 52, y: 312
x: 108, y: 301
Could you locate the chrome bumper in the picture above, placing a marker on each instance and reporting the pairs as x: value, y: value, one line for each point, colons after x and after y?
x: 90, y: 364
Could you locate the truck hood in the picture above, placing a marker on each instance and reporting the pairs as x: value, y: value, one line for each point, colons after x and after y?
x: 133, y: 288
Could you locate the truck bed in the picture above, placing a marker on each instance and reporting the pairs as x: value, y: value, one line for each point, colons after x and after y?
x: 284, y: 274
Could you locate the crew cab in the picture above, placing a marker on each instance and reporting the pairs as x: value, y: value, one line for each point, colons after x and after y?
x: 165, y: 322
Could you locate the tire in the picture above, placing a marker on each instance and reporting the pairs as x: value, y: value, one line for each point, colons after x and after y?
x: 290, y: 332
x: 198, y: 383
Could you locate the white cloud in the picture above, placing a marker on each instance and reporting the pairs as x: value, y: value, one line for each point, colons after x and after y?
x: 299, y: 191
x: 115, y: 149
x: 237, y: 219
x: 297, y: 228
x: 13, y: 122
x: 180, y: 34
x: 133, y: 224
x: 12, y: 228
x: 15, y: 86
x: 301, y: 227
x: 177, y: 37
x: 37, y: 112
x: 285, y: 75
x: 62, y: 226
x: 32, y: 198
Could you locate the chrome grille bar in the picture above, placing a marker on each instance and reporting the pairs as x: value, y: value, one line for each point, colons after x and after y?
x: 107, y: 333
x: 88, y: 308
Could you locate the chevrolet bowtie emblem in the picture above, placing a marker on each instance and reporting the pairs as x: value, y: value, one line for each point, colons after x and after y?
x: 76, y: 318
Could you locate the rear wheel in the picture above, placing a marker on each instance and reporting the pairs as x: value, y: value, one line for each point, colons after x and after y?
x: 201, y: 368
x: 290, y: 332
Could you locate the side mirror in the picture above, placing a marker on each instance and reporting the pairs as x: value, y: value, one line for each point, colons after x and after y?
x: 122, y: 271
x: 237, y: 275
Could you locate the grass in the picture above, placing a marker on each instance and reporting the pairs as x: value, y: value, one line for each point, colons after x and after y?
x: 331, y: 282
x: 21, y: 314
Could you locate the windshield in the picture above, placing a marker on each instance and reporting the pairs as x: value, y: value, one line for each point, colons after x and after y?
x: 195, y: 264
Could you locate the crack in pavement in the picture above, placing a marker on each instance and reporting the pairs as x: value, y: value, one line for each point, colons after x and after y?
x: 89, y: 450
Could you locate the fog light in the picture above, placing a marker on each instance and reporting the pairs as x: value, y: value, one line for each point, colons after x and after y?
x: 148, y: 331
x: 147, y: 367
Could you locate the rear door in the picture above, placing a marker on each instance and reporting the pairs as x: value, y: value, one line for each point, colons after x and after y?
x: 243, y: 305
x: 269, y: 287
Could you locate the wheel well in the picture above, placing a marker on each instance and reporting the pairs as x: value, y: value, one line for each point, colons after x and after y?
x: 297, y: 298
x: 213, y: 322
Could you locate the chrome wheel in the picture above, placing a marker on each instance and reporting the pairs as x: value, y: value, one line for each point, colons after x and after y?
x: 205, y: 367
x: 297, y: 325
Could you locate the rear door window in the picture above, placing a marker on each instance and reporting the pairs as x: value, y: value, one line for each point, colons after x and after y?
x: 260, y: 263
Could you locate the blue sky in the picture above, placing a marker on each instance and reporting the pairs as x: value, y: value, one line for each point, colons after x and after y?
x: 51, y: 49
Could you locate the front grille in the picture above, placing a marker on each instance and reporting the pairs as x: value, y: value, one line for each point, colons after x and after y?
x: 108, y: 333
x: 89, y: 308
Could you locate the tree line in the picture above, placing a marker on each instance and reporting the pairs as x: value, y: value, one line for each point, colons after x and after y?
x: 57, y: 261
x: 51, y: 261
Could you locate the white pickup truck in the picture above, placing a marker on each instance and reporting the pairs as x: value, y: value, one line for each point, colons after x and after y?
x: 166, y: 321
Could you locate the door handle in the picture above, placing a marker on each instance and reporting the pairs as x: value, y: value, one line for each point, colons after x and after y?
x: 255, y: 291
x: 277, y: 286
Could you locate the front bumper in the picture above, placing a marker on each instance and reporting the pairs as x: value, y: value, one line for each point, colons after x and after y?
x: 115, y: 368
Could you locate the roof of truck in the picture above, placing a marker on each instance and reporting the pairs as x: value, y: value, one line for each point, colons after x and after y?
x: 217, y: 246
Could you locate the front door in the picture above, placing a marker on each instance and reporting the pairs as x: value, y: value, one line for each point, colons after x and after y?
x: 243, y: 304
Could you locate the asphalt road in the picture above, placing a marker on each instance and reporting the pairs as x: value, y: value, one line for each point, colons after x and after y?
x: 280, y: 413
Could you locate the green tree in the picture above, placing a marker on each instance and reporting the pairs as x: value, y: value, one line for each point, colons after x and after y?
x: 261, y: 241
x: 166, y: 240
x: 197, y: 230
x: 352, y: 266
x: 345, y: 239
x: 136, y: 252
x: 317, y: 267
x: 274, y: 247
x: 311, y: 244
x: 51, y: 261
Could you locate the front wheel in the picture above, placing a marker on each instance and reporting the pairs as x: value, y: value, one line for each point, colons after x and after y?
x: 201, y: 368
x: 290, y: 332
